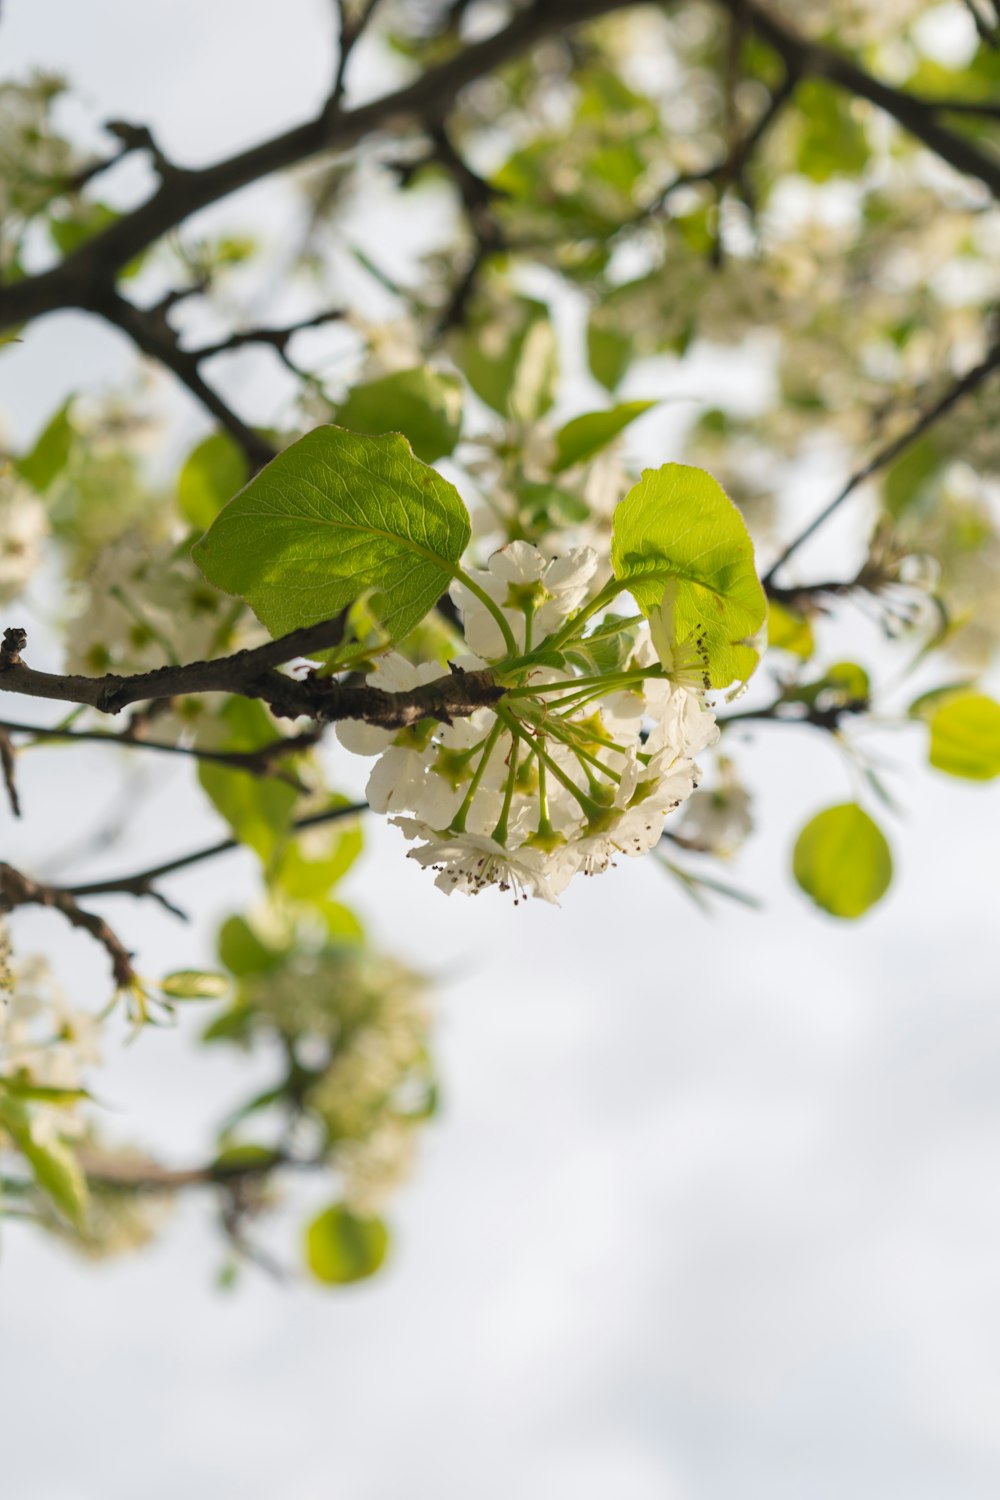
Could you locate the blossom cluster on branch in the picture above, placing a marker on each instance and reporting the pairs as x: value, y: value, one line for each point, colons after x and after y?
x: 574, y: 768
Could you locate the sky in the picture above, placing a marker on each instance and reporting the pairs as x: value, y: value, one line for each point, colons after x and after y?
x: 710, y: 1212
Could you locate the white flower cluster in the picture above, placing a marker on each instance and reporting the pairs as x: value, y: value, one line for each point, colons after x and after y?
x: 578, y: 763
x: 35, y: 162
x: 23, y: 529
x: 143, y: 603
x: 46, y: 1044
x: 362, y: 1021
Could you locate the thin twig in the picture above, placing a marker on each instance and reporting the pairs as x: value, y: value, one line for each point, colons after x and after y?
x: 278, y: 338
x: 86, y: 275
x: 807, y: 57
x: 350, y: 30
x: 17, y: 889
x: 140, y: 883
x: 152, y: 334
x: 989, y: 32
x: 960, y: 388
x: 259, y: 763
x: 7, y: 764
x: 990, y: 110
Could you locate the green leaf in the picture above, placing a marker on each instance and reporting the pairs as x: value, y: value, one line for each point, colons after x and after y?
x: 313, y: 861
x: 843, y: 682
x: 832, y: 140
x: 54, y: 1166
x: 234, y: 1025
x: 584, y: 436
x: 245, y: 1154
x: 258, y: 811
x: 50, y: 454
x: 905, y: 480
x: 194, y: 984
x: 510, y: 361
x: 609, y: 354
x: 332, y: 516
x: 842, y: 860
x: 678, y: 523
x: 304, y: 879
x: 19, y: 1086
x: 789, y: 631
x: 926, y: 704
x: 211, y: 475
x: 607, y: 648
x: 424, y: 405
x: 965, y: 737
x: 70, y: 232
x: 242, y: 951
x: 544, y: 506
x: 341, y: 923
x: 342, y: 1247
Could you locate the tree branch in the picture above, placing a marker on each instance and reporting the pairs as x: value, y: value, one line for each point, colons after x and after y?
x: 278, y: 338
x: 141, y: 883
x: 152, y: 334
x: 989, y: 31
x: 251, y: 674
x: 885, y: 456
x: 248, y: 673
x: 259, y: 763
x: 349, y: 32
x: 85, y: 275
x: 808, y: 58
x: 20, y: 890
x: 8, y: 769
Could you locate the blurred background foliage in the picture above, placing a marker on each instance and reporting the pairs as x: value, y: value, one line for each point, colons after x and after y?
x: 764, y: 235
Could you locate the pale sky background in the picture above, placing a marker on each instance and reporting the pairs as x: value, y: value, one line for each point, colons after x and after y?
x: 711, y: 1210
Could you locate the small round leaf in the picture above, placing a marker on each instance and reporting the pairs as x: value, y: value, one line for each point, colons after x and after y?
x: 965, y: 737
x: 842, y: 860
x: 342, y: 1247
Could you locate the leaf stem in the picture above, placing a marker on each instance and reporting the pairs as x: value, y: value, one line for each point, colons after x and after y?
x: 457, y: 824
x: 474, y: 588
x: 590, y: 807
x: 500, y: 831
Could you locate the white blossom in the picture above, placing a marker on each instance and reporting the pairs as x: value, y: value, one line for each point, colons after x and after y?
x: 718, y: 819
x: 46, y: 1043
x: 142, y: 604
x: 517, y: 576
x: 565, y: 777
x: 24, y: 527
x: 469, y: 862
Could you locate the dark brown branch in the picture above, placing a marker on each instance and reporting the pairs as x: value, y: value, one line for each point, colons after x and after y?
x: 478, y: 200
x: 988, y: 109
x: 251, y: 674
x: 278, y: 338
x: 152, y: 1177
x: 730, y: 168
x: 885, y: 456
x: 141, y: 883
x: 7, y: 765
x: 259, y: 763
x: 85, y: 275
x: 349, y: 32
x: 794, y: 711
x: 131, y: 138
x: 989, y: 31
x: 20, y: 890
x: 152, y: 334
